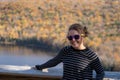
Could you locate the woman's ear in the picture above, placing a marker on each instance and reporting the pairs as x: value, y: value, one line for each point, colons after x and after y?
x: 82, y: 35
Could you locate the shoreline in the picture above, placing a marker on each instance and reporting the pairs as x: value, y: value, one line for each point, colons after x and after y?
x: 41, y: 47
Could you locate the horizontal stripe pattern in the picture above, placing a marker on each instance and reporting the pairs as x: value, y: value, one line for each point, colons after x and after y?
x: 79, y: 64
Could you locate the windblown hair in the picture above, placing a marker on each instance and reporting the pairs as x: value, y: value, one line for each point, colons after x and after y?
x: 81, y: 29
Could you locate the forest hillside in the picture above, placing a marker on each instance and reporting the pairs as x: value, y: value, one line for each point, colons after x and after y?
x: 44, y: 23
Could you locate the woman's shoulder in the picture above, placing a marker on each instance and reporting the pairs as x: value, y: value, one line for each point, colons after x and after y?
x: 91, y: 54
x: 66, y: 49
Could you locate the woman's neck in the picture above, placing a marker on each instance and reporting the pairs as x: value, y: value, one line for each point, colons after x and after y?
x: 82, y: 47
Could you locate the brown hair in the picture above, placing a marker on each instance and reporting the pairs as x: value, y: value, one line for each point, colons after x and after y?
x: 81, y: 29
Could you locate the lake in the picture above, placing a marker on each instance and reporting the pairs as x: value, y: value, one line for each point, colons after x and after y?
x: 24, y: 56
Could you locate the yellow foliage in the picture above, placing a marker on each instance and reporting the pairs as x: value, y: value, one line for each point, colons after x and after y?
x: 80, y: 13
x: 13, y: 34
x: 117, y: 57
x: 116, y: 2
x: 2, y: 27
x: 95, y: 42
x: 44, y: 36
x: 99, y: 19
x: 53, y: 36
x: 41, y: 29
x: 62, y: 34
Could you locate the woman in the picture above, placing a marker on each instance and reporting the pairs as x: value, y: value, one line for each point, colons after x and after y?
x: 78, y: 60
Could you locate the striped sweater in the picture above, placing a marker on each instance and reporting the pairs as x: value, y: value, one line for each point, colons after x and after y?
x: 77, y: 64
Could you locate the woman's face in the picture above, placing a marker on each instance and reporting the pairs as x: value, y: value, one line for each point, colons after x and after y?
x: 74, y: 38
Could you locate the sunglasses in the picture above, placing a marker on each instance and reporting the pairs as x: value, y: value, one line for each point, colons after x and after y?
x: 74, y: 36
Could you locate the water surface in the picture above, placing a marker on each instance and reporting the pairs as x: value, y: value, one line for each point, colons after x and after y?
x: 23, y: 56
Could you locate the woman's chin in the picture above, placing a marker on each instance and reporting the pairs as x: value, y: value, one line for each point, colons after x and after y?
x: 75, y: 47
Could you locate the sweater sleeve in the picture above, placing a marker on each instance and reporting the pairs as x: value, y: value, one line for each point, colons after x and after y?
x: 52, y: 62
x: 97, y: 66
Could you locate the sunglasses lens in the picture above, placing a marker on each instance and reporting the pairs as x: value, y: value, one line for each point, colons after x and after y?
x: 75, y: 37
x: 70, y: 37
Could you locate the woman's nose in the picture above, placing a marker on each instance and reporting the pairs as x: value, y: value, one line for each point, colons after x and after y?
x: 73, y: 39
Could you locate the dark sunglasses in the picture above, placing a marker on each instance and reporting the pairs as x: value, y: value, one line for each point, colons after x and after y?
x: 74, y: 36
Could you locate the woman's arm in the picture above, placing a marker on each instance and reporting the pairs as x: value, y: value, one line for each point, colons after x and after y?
x: 52, y: 62
x: 97, y: 66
